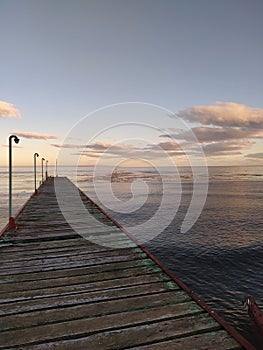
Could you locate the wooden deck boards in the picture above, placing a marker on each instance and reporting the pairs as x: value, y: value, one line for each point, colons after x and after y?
x: 60, y: 291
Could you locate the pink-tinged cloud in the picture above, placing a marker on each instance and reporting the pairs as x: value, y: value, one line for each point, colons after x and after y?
x: 96, y: 147
x: 126, y: 150
x: 8, y: 110
x: 167, y: 146
x: 67, y: 145
x: 254, y: 155
x: 111, y: 149
x: 226, y: 148
x: 13, y: 146
x: 35, y: 135
x: 117, y: 150
x: 211, y: 134
x: 228, y: 114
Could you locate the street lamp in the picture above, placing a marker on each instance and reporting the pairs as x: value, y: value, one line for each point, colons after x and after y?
x: 12, y: 224
x: 42, y: 160
x: 46, y: 169
x: 35, y: 172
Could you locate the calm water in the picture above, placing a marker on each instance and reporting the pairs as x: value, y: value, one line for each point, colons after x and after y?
x: 220, y: 257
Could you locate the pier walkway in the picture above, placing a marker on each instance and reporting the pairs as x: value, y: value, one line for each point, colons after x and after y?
x: 59, y: 290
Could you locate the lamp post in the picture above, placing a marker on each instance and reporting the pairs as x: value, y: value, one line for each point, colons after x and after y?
x: 46, y: 170
x: 35, y: 172
x: 12, y: 224
x: 42, y: 160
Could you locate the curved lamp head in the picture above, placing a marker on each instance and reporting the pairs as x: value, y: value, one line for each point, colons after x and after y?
x: 43, y: 159
x: 36, y: 154
x: 16, y: 139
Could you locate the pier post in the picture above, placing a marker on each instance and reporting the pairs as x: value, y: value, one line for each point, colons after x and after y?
x: 12, y: 224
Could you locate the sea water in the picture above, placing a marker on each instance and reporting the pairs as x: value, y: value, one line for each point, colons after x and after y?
x: 220, y: 258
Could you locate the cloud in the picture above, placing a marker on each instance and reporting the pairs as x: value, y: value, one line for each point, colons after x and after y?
x: 172, y: 148
x: 96, y: 147
x: 228, y: 114
x: 167, y: 146
x: 67, y: 145
x: 151, y: 151
x: 8, y: 110
x: 226, y: 148
x: 34, y: 135
x: 254, y: 155
x: 211, y: 134
x: 13, y: 146
x: 117, y: 150
x: 227, y: 128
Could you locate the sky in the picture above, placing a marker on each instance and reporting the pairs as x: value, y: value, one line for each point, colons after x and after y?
x: 191, y: 68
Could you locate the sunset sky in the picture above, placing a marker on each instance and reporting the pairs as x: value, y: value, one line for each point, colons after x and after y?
x: 199, y: 60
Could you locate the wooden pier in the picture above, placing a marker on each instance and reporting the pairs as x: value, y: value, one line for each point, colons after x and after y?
x: 59, y: 290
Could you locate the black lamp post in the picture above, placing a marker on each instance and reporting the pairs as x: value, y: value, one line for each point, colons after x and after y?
x: 35, y: 172
x: 12, y: 224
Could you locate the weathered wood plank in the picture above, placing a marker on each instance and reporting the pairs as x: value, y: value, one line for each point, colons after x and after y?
x: 102, y: 280
x: 69, y: 262
x: 80, y: 298
x: 10, y: 248
x: 36, y: 257
x: 77, y: 287
x: 219, y: 340
x: 96, y: 309
x: 129, y: 268
x: 104, y: 330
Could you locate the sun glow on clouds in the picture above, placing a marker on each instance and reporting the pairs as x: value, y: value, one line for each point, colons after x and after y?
x: 224, y: 114
x: 30, y: 142
x: 226, y: 129
x: 123, y: 152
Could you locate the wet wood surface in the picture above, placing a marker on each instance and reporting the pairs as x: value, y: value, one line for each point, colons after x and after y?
x: 59, y: 290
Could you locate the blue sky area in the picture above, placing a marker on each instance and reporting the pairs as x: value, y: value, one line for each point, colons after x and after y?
x: 199, y: 59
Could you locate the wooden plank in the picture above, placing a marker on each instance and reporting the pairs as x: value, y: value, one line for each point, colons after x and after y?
x: 51, y: 253
x: 80, y: 298
x: 10, y: 248
x: 36, y: 257
x: 50, y: 285
x: 53, y: 315
x: 219, y: 340
x: 76, y: 287
x: 132, y: 267
x: 69, y: 262
x: 112, y: 331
